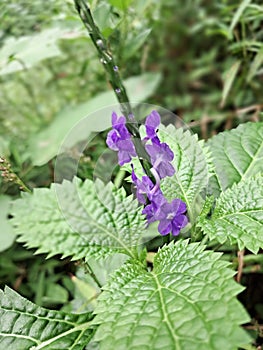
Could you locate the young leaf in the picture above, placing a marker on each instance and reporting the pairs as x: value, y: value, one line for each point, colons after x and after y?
x: 24, y: 325
x: 237, y: 155
x: 186, y: 302
x: 238, y: 215
x: 78, y: 219
x: 191, y: 169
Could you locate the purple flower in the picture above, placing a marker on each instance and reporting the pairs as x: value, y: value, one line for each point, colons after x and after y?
x: 119, y: 139
x: 152, y: 210
x: 161, y: 155
x: 152, y: 123
x: 143, y: 188
x: 172, y: 217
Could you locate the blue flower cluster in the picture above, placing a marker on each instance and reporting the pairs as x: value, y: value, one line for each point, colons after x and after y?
x: 171, y: 216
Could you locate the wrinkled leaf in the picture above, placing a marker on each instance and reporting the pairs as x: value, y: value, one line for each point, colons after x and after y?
x: 236, y: 155
x: 191, y: 169
x: 80, y: 219
x: 186, y: 302
x: 24, y: 325
x: 238, y: 215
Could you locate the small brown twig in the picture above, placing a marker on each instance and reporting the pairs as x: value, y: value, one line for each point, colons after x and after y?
x: 240, y: 259
x: 256, y: 107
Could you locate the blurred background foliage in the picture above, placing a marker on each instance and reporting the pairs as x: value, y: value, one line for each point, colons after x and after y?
x: 201, y: 59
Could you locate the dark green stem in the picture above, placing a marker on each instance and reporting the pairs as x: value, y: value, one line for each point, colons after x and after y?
x: 105, y: 57
x: 115, y: 80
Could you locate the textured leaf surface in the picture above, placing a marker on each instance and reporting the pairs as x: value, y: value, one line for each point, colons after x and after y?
x: 191, y: 176
x: 186, y: 302
x: 237, y: 155
x: 238, y: 215
x: 26, y: 326
x: 77, y: 122
x: 78, y: 219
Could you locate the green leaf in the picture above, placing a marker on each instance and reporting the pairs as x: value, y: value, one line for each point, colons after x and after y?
x: 244, y: 4
x: 74, y: 124
x: 78, y: 219
x: 7, y: 234
x: 229, y: 78
x: 23, y: 53
x: 186, y: 302
x: 191, y: 169
x: 55, y: 294
x: 255, y: 65
x: 237, y: 155
x: 238, y: 215
x: 120, y: 4
x: 24, y: 325
x: 104, y: 267
x: 134, y: 43
x: 104, y: 18
x: 87, y: 290
x: 249, y: 45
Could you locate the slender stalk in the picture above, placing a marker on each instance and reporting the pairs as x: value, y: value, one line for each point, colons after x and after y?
x: 92, y: 274
x: 112, y: 70
x: 105, y: 57
x: 119, y: 178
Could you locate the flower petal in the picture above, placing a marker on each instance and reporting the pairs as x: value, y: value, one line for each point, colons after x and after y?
x: 165, y: 227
